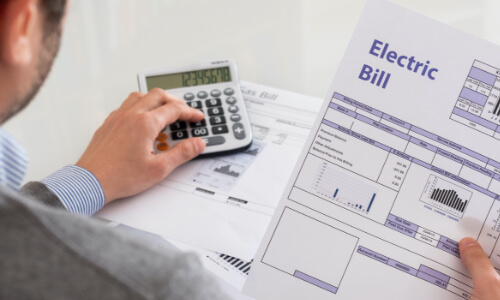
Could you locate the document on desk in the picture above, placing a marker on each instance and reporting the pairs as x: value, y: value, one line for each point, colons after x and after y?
x: 403, y: 161
x: 224, y: 204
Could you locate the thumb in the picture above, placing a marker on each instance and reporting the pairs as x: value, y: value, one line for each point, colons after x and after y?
x: 475, y: 259
x: 181, y: 153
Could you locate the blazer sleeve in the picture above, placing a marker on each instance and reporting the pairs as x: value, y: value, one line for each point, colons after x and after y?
x: 39, y: 192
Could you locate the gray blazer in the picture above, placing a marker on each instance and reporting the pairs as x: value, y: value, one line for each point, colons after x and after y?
x: 48, y: 253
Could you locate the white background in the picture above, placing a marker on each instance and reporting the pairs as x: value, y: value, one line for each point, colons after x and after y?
x: 291, y: 44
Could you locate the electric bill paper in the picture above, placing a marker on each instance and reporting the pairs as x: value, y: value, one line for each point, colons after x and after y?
x: 402, y: 162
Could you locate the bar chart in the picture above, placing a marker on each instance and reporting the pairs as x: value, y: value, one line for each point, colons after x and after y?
x: 337, y: 186
x: 239, y: 264
x: 226, y: 170
x: 449, y: 198
x: 253, y: 150
x: 446, y: 196
x: 223, y: 172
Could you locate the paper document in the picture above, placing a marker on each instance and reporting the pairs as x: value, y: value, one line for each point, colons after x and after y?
x: 224, y: 204
x: 403, y: 161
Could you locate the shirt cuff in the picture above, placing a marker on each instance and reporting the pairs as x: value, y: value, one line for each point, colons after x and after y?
x: 78, y: 189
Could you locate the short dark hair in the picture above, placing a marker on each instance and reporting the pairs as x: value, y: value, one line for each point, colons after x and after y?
x: 53, y: 11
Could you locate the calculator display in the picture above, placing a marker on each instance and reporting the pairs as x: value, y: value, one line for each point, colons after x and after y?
x: 187, y: 79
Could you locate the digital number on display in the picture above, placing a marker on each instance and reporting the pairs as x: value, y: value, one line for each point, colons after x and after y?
x: 188, y: 79
x: 205, y: 77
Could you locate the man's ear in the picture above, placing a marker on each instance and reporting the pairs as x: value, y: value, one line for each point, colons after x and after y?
x: 19, y: 35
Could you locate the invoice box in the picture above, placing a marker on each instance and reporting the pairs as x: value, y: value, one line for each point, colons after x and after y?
x: 212, y: 88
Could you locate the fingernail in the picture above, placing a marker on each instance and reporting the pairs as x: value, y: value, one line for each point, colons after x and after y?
x: 200, y: 145
x: 467, y: 242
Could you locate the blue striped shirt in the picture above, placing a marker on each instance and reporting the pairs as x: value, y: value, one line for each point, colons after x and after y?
x: 13, y: 161
x: 78, y: 189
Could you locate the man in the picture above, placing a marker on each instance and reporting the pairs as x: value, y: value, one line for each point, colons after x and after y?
x: 46, y: 252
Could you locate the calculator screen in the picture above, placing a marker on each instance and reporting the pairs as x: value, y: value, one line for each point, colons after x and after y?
x: 187, y: 79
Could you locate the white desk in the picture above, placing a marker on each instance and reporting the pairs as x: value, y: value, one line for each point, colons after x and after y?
x: 293, y: 45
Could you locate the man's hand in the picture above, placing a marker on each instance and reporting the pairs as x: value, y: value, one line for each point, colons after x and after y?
x: 485, y: 279
x: 121, y: 153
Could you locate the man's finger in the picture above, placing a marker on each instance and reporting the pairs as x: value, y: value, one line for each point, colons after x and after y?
x: 475, y: 260
x: 180, y: 153
x: 173, y: 111
x: 155, y: 98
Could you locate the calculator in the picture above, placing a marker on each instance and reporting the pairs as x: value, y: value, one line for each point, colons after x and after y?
x: 214, y: 89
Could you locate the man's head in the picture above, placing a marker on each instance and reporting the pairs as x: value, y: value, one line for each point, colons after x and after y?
x: 30, y: 34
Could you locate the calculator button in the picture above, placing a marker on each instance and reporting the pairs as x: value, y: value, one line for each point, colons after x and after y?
x: 231, y: 100
x: 213, y: 102
x: 179, y: 135
x: 162, y: 146
x: 233, y: 109
x: 202, y: 131
x: 179, y: 125
x: 219, y: 129
x: 215, y: 93
x: 195, y: 104
x: 214, y: 140
x: 202, y: 123
x: 188, y: 96
x: 161, y: 137
x: 229, y: 91
x: 202, y: 95
x: 235, y: 118
x: 215, y: 111
x: 239, y: 131
x: 217, y: 120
